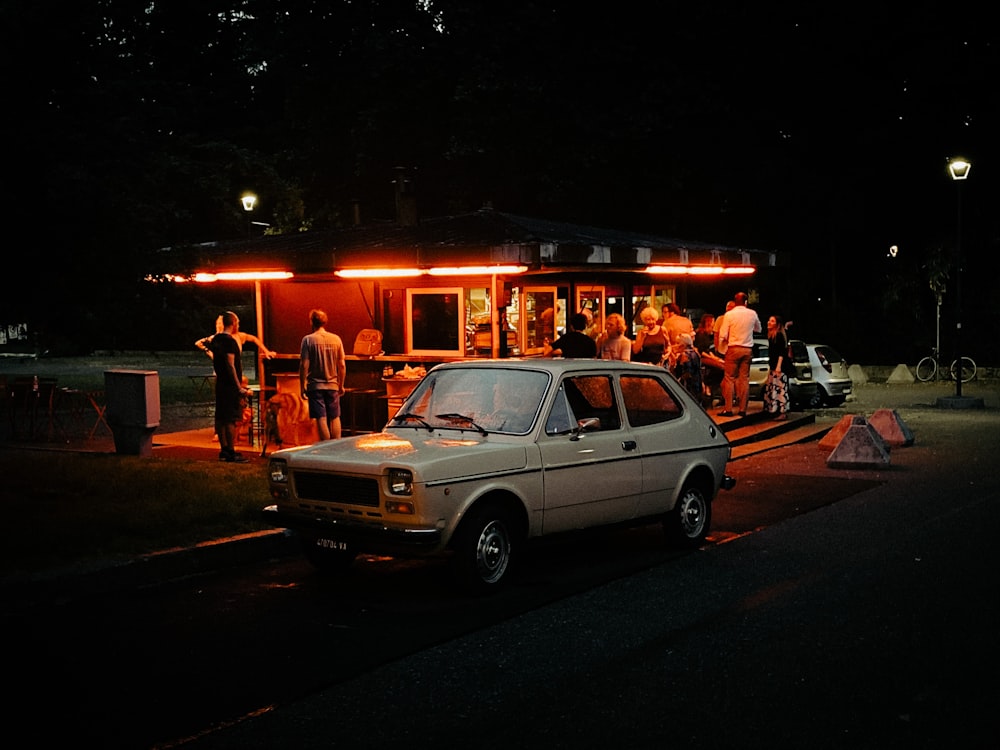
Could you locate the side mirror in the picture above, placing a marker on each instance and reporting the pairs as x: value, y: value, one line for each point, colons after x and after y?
x: 585, y: 425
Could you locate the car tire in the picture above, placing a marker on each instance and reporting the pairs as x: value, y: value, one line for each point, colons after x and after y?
x: 818, y: 398
x: 327, y: 560
x: 483, y: 547
x: 688, y: 523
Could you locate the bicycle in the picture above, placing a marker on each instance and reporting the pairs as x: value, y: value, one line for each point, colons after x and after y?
x: 929, y: 368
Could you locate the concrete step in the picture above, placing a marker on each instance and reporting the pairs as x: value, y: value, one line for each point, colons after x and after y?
x: 758, y: 432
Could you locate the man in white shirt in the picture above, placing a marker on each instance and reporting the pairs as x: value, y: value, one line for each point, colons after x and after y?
x: 736, y: 335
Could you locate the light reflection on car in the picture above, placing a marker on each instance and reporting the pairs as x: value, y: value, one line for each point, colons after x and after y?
x: 485, y: 455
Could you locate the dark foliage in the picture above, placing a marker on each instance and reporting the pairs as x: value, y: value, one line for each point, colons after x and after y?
x: 803, y: 129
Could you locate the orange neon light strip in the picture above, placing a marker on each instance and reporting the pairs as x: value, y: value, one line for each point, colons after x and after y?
x: 378, y: 273
x: 679, y: 270
x: 474, y: 270
x: 396, y: 273
x: 242, y: 276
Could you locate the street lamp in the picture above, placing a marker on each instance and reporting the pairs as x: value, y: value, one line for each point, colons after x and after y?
x: 249, y: 201
x: 959, y: 169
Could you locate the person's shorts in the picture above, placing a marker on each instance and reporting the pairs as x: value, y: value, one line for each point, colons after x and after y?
x: 324, y: 404
x: 228, y: 405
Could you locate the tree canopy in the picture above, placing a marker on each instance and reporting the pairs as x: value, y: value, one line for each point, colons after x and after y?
x: 802, y: 129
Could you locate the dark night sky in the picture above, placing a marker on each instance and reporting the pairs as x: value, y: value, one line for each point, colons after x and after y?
x: 816, y: 130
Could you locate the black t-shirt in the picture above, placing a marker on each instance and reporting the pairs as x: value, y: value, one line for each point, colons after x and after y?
x: 221, y: 345
x: 575, y: 344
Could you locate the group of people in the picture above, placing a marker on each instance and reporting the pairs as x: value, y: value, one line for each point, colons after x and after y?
x: 713, y: 358
x: 717, y: 354
x: 322, y: 378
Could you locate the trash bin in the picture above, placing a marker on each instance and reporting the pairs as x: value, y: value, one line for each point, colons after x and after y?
x: 133, y: 413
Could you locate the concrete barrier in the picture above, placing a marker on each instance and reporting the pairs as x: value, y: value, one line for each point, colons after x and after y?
x: 891, y: 427
x: 860, y: 448
x: 901, y: 374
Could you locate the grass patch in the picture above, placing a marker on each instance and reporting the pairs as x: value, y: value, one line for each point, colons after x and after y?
x: 65, y: 508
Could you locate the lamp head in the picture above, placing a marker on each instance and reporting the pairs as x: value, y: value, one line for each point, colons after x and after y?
x: 959, y: 168
x: 249, y: 200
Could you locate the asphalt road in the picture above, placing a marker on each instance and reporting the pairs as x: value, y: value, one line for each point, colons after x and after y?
x: 837, y: 608
x: 866, y: 623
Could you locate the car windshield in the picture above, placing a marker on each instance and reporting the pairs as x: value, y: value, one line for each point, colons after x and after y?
x: 485, y: 400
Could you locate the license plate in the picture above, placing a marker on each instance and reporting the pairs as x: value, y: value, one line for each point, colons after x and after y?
x: 331, y: 544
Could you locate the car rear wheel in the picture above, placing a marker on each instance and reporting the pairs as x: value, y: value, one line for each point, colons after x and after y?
x: 688, y: 523
x: 483, y: 546
x: 817, y: 399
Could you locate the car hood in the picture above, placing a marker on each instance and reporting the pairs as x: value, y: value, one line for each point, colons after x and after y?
x: 431, y: 456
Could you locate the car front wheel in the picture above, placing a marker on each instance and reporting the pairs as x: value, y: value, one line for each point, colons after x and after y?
x: 688, y: 523
x: 483, y: 547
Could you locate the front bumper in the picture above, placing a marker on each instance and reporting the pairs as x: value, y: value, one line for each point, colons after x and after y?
x: 362, y: 537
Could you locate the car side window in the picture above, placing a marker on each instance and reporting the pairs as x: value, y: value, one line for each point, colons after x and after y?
x: 584, y: 397
x: 560, y: 421
x: 648, y: 401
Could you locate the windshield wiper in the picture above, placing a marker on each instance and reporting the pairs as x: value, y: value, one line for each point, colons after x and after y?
x: 407, y: 416
x: 455, y: 416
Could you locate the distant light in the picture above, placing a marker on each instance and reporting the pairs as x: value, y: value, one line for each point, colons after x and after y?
x: 249, y: 200
x: 959, y: 168
x: 893, y: 251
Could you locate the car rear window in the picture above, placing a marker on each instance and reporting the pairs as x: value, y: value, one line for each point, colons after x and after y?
x: 648, y: 401
x: 799, y: 351
x: 831, y: 354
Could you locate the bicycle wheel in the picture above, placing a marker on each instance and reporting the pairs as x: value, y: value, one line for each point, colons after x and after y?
x: 968, y: 369
x: 926, y: 369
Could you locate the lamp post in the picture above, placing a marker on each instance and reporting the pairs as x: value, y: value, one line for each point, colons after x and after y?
x: 249, y: 201
x: 959, y: 169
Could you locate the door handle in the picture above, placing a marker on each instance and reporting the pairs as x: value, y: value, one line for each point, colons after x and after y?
x: 628, y: 445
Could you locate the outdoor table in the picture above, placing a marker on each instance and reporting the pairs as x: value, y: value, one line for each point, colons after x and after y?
x: 203, y: 382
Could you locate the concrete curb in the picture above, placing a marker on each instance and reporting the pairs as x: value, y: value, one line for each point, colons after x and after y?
x: 103, y: 577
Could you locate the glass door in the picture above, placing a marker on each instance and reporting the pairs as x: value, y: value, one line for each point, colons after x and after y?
x: 590, y: 302
x: 537, y: 318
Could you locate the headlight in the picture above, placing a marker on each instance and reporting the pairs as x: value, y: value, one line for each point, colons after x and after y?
x: 277, y: 469
x: 400, y: 481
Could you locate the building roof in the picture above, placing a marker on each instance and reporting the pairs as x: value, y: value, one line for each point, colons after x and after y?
x: 484, y: 237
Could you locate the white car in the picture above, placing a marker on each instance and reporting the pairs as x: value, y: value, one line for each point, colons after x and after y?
x: 833, y: 384
x: 801, y: 388
x: 484, y: 455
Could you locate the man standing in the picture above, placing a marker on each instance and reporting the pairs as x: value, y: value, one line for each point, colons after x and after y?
x: 322, y: 375
x: 736, y: 334
x: 720, y: 346
x: 229, y: 388
x: 573, y: 343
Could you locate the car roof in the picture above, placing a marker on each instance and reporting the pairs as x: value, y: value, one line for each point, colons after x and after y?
x: 554, y: 365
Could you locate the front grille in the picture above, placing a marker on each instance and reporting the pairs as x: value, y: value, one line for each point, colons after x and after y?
x: 333, y: 488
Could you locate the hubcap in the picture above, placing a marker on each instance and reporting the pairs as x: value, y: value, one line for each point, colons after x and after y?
x: 493, y: 552
x: 692, y: 515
